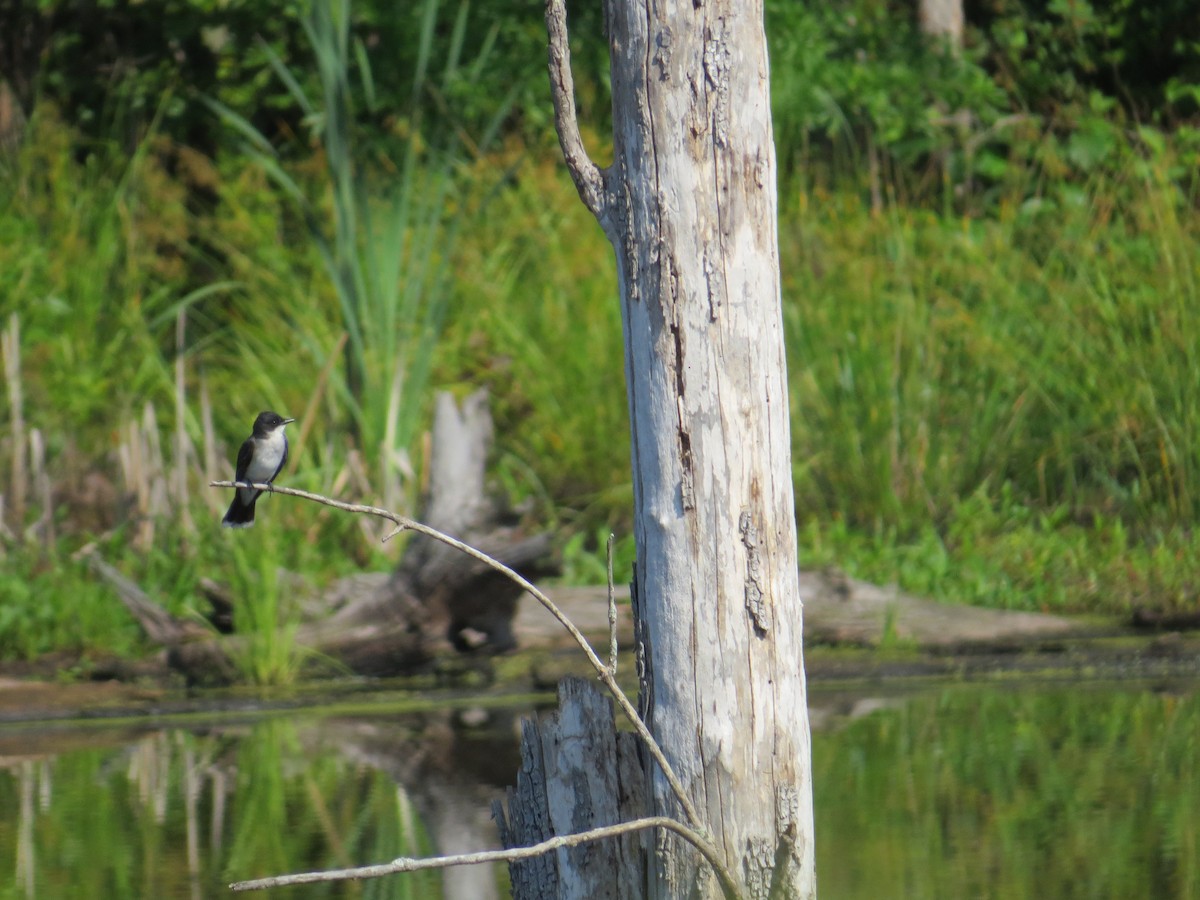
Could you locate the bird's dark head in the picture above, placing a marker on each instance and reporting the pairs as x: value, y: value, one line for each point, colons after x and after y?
x: 269, y: 421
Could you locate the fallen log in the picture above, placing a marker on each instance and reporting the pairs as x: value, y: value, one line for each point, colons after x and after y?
x: 838, y: 610
x: 436, y: 601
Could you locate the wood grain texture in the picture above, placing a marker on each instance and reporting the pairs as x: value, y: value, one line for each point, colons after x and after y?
x: 689, y: 204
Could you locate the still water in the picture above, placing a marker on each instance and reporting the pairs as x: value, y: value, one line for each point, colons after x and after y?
x: 959, y: 791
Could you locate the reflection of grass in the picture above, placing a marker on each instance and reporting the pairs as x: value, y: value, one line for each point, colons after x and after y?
x: 124, y: 821
x: 121, y: 823
x: 288, y: 805
x: 1013, y: 793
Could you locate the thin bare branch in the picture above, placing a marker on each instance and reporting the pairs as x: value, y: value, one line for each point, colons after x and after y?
x: 612, y: 610
x: 515, y: 854
x: 403, y: 523
x: 589, y: 179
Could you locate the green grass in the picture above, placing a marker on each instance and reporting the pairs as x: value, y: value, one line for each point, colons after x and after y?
x: 537, y: 319
x: 1011, y: 556
x: 1046, y: 349
x: 997, y: 409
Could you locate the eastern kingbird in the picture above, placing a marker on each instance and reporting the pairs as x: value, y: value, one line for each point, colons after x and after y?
x: 261, y: 458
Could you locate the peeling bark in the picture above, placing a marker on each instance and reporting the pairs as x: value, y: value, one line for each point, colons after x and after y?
x: 689, y: 206
x: 577, y: 773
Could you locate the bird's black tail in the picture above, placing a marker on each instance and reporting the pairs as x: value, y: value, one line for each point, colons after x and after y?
x: 240, y: 513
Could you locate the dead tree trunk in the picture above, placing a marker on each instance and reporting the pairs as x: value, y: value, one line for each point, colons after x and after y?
x: 577, y: 771
x: 689, y: 205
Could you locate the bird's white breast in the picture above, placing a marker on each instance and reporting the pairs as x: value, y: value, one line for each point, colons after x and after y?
x: 267, y: 457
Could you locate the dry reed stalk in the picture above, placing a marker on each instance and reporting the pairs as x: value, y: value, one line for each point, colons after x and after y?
x: 143, y: 469
x: 183, y: 445
x: 10, y: 345
x: 211, y: 457
x: 309, y: 418
x: 160, y: 493
x: 41, y: 483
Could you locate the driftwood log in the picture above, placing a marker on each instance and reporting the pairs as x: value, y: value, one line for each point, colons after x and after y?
x: 436, y: 600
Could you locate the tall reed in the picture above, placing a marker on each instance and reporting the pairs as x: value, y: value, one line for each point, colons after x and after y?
x: 392, y: 236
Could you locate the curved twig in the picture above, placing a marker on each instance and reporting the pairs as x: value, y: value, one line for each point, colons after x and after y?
x: 696, y: 834
x: 513, y: 854
x: 403, y: 523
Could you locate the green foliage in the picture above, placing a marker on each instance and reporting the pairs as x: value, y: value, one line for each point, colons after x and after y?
x: 997, y: 552
x: 858, y: 77
x: 35, y: 621
x: 537, y: 319
x: 270, y: 654
x: 74, y: 235
x: 991, y: 350
x: 585, y: 558
x: 1056, y: 56
x: 1055, y: 330
x: 118, y: 66
x: 859, y: 94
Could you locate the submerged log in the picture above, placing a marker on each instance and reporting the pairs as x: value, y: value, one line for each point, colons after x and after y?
x: 436, y: 601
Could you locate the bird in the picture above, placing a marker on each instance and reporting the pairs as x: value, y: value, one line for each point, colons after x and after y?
x: 260, y: 459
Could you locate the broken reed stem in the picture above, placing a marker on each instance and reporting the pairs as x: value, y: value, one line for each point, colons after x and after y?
x: 10, y: 345
x: 514, y: 854
x: 179, y: 474
x: 41, y: 483
x: 403, y: 523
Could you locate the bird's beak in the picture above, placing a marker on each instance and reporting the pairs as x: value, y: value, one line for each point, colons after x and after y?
x: 288, y: 421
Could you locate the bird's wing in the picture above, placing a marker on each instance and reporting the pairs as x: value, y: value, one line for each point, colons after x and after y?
x: 245, y: 454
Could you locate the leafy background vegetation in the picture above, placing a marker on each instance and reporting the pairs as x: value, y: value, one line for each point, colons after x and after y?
x: 990, y: 293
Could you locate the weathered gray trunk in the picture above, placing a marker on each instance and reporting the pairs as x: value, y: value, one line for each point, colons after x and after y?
x: 577, y: 772
x: 690, y: 207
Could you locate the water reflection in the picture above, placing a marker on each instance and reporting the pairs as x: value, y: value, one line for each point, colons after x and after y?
x: 1007, y: 791
x: 180, y: 812
x: 949, y: 791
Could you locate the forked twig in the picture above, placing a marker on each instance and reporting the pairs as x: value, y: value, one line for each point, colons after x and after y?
x: 588, y: 177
